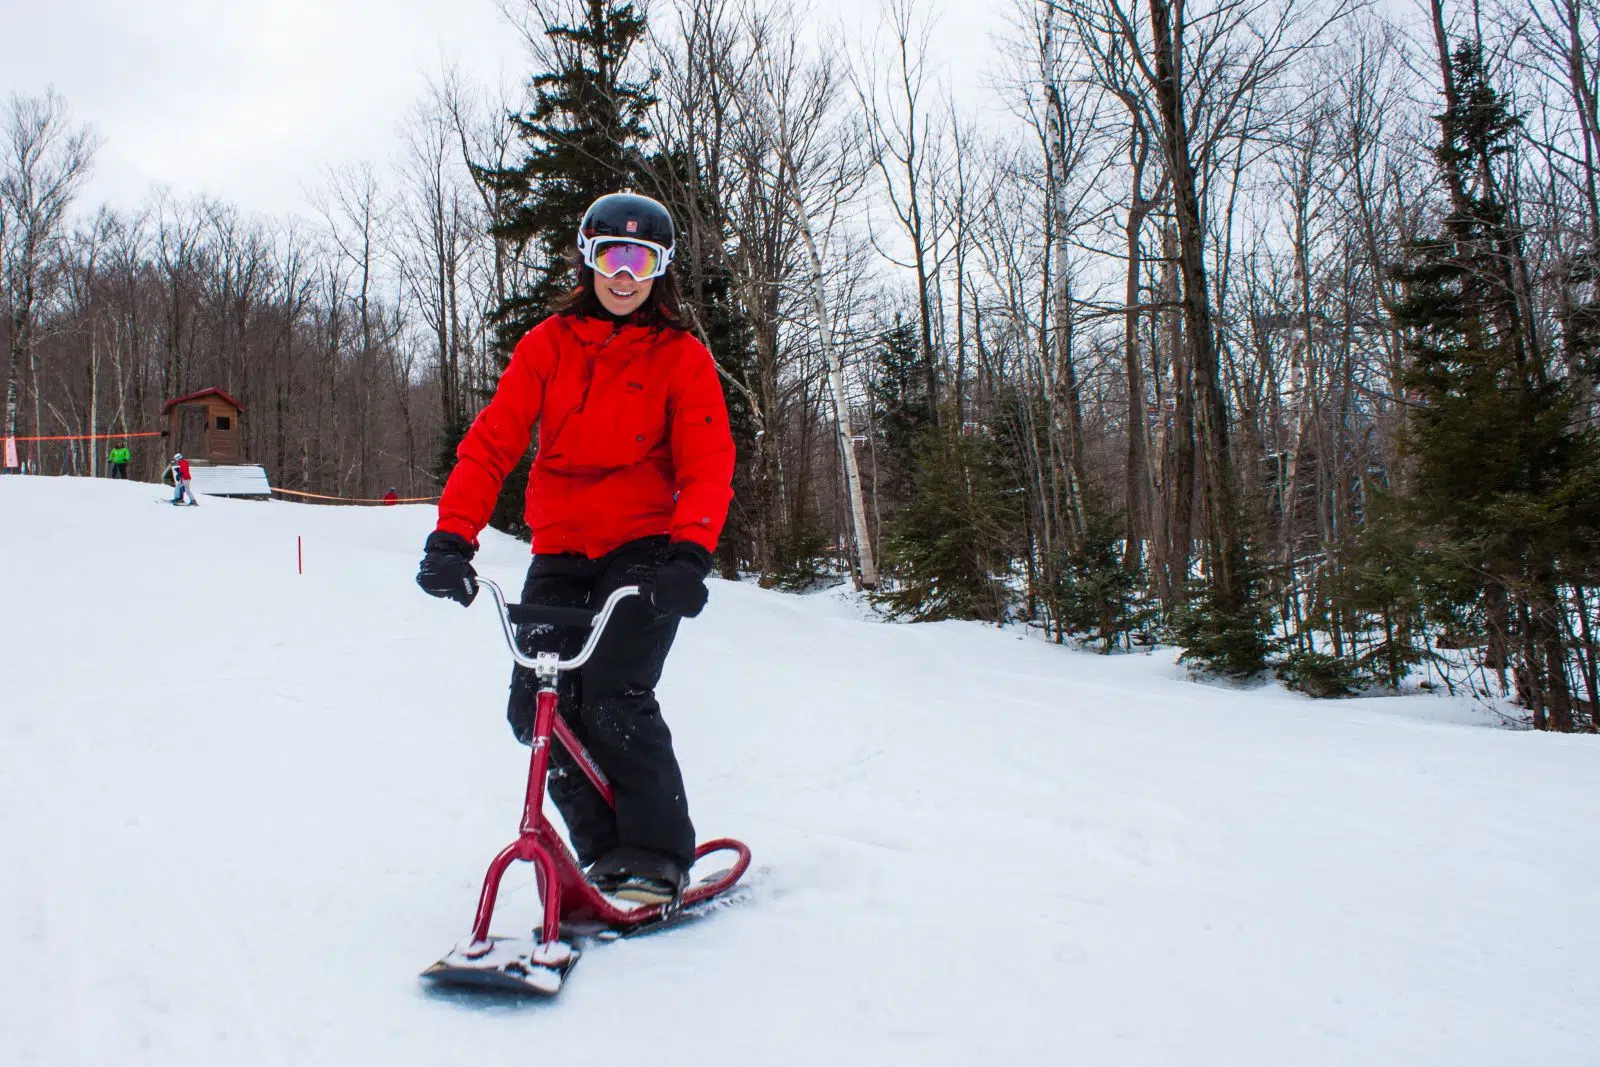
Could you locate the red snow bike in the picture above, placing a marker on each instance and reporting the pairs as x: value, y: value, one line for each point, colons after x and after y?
x: 574, y: 911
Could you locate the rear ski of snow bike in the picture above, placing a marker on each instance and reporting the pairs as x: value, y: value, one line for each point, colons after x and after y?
x: 574, y: 911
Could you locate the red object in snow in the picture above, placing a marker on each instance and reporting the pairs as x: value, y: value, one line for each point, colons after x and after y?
x: 391, y: 497
x: 566, y: 894
x: 565, y: 891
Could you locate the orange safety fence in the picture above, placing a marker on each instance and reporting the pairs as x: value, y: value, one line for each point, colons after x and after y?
x: 90, y: 436
x: 360, y: 499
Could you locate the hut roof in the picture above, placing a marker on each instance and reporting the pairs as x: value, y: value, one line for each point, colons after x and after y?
x: 169, y: 405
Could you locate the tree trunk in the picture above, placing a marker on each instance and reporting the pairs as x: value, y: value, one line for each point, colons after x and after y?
x: 1224, y: 543
x: 20, y: 343
x: 1178, y: 463
x: 1136, y: 470
x: 867, y: 566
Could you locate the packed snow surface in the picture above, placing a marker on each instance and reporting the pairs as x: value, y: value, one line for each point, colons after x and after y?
x: 242, y: 807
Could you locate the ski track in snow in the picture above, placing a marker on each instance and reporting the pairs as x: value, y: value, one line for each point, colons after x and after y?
x: 241, y: 808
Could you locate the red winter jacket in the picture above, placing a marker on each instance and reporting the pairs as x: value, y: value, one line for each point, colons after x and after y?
x: 183, y: 469
x: 633, y: 440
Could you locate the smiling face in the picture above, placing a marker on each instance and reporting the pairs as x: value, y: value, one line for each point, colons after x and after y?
x: 622, y: 295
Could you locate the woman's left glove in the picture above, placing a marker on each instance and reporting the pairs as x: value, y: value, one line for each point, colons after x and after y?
x: 680, y: 585
x: 446, y: 569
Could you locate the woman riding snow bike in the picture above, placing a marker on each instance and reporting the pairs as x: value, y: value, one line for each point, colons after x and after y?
x: 630, y: 486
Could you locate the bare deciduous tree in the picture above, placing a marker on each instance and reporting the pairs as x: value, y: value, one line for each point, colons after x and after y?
x: 815, y: 173
x: 46, y: 161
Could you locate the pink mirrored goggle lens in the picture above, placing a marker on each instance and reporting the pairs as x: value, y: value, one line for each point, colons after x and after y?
x: 614, y: 257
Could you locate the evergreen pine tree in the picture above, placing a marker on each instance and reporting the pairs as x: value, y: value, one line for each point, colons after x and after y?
x: 950, y: 547
x: 1227, y: 637
x: 1501, y: 471
x: 1389, y: 576
x: 901, y: 410
x: 1370, y: 601
x: 1319, y: 674
x: 708, y: 299
x: 1099, y: 596
x: 705, y: 282
x: 583, y: 138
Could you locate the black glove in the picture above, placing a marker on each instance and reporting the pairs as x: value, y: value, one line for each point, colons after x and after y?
x: 680, y: 585
x: 446, y: 569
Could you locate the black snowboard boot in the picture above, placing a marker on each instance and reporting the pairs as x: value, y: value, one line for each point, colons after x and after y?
x: 606, y: 873
x: 638, y: 875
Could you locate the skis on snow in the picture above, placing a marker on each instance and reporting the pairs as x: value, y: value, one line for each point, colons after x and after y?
x: 507, y: 964
x: 538, y: 964
x: 526, y: 965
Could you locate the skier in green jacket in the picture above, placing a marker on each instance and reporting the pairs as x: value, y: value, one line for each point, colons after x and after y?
x: 119, y: 460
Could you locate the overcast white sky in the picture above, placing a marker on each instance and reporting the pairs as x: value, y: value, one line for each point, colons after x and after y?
x: 251, y: 100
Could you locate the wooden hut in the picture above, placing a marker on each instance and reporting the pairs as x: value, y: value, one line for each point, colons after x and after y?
x: 204, y: 426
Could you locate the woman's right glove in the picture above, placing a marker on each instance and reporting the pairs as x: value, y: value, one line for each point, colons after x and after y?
x: 446, y: 569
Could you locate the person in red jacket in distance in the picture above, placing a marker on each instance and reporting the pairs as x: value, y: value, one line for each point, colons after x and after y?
x: 180, y: 479
x: 630, y: 485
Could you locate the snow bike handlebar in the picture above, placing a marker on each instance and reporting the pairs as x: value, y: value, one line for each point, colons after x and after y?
x: 512, y: 615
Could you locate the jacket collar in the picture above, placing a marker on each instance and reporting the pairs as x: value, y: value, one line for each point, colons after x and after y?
x: 595, y: 331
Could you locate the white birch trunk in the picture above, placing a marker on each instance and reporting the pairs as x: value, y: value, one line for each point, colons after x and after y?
x: 867, y: 568
x: 789, y: 185
x: 94, y: 404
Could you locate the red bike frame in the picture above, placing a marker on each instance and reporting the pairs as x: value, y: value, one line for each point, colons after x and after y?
x: 562, y: 887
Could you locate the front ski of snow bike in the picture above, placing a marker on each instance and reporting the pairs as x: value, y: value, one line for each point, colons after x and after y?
x: 537, y: 964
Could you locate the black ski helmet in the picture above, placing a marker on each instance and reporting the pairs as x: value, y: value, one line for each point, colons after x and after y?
x: 629, y: 216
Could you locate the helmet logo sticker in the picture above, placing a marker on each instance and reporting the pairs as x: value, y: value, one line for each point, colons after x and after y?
x: 633, y: 225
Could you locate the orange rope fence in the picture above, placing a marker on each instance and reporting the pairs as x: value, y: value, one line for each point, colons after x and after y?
x: 91, y: 436
x: 359, y: 499
x: 291, y: 492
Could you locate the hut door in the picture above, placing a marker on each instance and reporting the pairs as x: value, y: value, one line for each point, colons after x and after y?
x: 192, y: 430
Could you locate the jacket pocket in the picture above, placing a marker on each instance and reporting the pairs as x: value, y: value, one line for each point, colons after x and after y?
x: 621, y: 428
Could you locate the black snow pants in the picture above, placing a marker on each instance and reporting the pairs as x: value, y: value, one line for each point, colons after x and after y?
x: 610, y: 703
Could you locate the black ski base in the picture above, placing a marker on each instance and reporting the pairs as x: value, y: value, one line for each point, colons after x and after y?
x: 526, y: 967
x: 507, y: 965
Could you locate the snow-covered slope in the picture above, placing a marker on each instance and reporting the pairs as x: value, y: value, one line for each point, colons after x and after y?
x: 240, y: 808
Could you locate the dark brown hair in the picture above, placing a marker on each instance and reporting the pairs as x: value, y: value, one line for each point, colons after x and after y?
x: 662, y: 309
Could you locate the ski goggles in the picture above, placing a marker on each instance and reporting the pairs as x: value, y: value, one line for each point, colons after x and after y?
x: 610, y: 256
